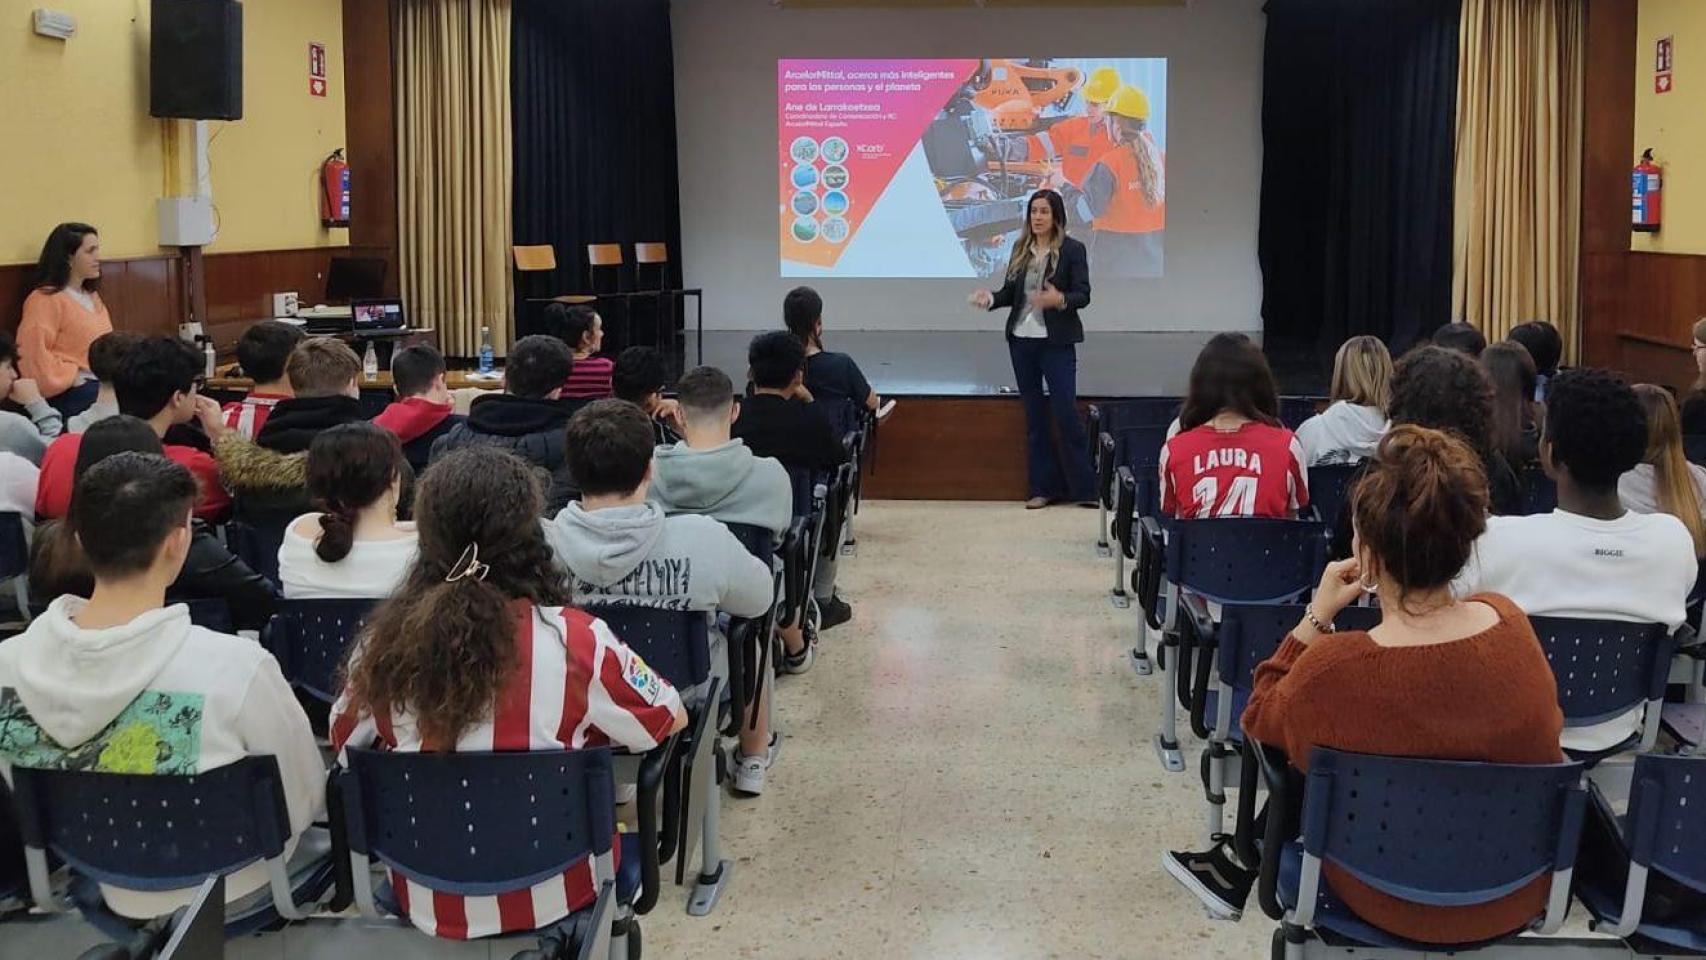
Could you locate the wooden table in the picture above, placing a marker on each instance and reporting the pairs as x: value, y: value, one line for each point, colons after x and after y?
x: 223, y: 382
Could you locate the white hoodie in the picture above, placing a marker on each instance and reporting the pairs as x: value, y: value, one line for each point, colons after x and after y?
x: 156, y: 695
x: 1343, y: 433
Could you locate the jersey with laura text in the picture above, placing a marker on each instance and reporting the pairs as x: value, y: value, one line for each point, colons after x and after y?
x: 1254, y: 471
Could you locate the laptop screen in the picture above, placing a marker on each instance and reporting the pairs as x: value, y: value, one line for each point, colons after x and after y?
x: 378, y: 315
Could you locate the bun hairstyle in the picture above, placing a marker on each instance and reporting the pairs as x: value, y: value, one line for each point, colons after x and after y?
x: 444, y: 644
x: 350, y: 468
x: 1420, y: 507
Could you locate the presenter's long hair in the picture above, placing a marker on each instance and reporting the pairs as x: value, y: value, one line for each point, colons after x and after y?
x: 1020, y: 260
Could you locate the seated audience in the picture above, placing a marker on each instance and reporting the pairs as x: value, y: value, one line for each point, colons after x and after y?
x: 1462, y: 337
x: 640, y: 377
x: 711, y: 473
x: 620, y: 548
x: 1591, y: 557
x: 1440, y: 677
x: 262, y: 353
x: 528, y: 418
x: 1546, y: 346
x: 1231, y: 456
x: 423, y: 410
x: 105, y: 355
x: 352, y: 545
x: 159, y: 383
x: 1445, y: 390
x: 479, y: 650
x: 123, y: 683
x: 775, y: 423
x: 582, y: 329
x: 1694, y: 401
x: 62, y: 316
x: 833, y: 378
x: 18, y: 480
x: 324, y: 393
x: 211, y: 571
x: 1664, y: 481
x: 1515, y: 424
x: 1351, y: 427
x: 28, y: 433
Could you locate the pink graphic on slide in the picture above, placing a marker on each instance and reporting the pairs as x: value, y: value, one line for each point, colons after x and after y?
x: 844, y: 128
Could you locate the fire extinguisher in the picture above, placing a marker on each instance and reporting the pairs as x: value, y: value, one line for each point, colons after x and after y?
x: 334, y: 191
x: 1648, y: 194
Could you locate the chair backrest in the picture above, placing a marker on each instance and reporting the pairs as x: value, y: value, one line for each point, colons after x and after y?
x: 1438, y: 832
x: 675, y: 643
x: 534, y: 257
x: 804, y: 484
x: 310, y: 637
x: 604, y: 254
x: 649, y: 253
x: 1328, y: 486
x: 479, y: 824
x: 1246, y: 559
x: 1694, y: 448
x: 1663, y: 830
x: 155, y: 832
x: 1604, y: 668
x: 255, y: 539
x: 1294, y: 410
x: 757, y: 540
x: 1539, y: 492
x: 14, y: 546
x: 211, y: 613
x: 1251, y: 633
x: 1139, y: 448
x: 1108, y: 415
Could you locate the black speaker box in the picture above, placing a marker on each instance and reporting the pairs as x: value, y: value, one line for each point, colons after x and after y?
x: 195, y: 60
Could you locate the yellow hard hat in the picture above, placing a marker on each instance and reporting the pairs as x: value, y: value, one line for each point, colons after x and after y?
x: 1102, y: 85
x: 1129, y: 102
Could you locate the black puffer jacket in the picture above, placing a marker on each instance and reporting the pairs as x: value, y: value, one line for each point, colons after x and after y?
x: 533, y: 429
x: 294, y: 423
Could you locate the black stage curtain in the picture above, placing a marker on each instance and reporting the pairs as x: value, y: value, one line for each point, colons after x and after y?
x: 1359, y: 102
x: 593, y: 90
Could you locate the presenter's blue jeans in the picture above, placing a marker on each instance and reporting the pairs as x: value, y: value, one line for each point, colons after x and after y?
x: 1058, y: 472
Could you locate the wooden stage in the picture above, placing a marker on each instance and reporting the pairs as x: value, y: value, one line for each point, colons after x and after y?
x: 951, y: 448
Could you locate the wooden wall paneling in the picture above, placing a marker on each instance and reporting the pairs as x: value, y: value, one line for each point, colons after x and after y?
x: 1608, y: 135
x: 951, y: 448
x: 370, y: 125
x: 143, y: 294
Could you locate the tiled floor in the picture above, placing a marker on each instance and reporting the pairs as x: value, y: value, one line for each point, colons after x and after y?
x: 966, y: 772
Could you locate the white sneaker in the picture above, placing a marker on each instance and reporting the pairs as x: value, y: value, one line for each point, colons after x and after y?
x: 749, y: 773
x: 799, y: 663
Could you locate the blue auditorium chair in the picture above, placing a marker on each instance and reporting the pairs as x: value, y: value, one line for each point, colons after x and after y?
x: 483, y: 824
x: 157, y: 833
x: 1213, y: 562
x: 1606, y: 668
x: 1431, y: 832
x: 1329, y: 486
x: 309, y: 639
x: 1294, y: 410
x: 1106, y: 417
x: 1660, y: 834
x: 1134, y: 456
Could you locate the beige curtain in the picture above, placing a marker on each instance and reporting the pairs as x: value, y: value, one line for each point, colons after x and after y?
x: 454, y: 168
x: 1517, y: 220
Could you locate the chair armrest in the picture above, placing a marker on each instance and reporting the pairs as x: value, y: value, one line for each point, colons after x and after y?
x: 1206, y: 647
x: 1687, y: 640
x: 1105, y: 468
x: 648, y: 786
x: 739, y: 642
x: 1281, y: 801
x: 1124, y: 507
x: 337, y: 823
x: 1151, y: 566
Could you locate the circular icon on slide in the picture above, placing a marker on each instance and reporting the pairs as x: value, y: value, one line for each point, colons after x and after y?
x: 835, y: 230
x: 835, y: 203
x: 834, y: 150
x: 805, y: 229
x: 804, y: 149
x: 835, y: 177
x: 805, y: 203
x: 805, y: 178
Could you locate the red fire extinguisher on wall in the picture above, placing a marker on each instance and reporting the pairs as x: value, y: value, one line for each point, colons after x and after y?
x: 1648, y: 194
x: 334, y: 191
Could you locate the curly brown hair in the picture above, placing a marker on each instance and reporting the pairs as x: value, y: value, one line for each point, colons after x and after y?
x: 442, y: 651
x: 1420, y: 507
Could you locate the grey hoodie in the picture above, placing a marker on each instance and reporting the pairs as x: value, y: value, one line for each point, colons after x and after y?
x: 157, y: 695
x: 28, y: 436
x: 637, y: 555
x: 725, y: 482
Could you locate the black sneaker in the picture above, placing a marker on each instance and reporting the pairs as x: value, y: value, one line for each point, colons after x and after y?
x: 1215, y: 876
x: 833, y: 613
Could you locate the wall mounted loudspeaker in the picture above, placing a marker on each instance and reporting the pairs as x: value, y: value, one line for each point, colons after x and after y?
x: 195, y: 62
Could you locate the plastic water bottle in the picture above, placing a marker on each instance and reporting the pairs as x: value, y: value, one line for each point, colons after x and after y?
x: 485, y: 349
x: 210, y: 358
x: 370, y: 362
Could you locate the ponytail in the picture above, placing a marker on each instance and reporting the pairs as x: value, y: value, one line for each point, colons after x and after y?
x: 337, y: 532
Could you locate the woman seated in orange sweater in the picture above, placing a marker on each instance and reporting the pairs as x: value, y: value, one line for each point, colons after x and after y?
x: 63, y: 315
x: 1439, y: 677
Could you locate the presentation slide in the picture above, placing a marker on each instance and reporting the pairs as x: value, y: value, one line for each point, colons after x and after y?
x: 921, y: 168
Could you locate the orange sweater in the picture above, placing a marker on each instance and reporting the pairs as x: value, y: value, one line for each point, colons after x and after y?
x: 1489, y: 697
x: 54, y: 338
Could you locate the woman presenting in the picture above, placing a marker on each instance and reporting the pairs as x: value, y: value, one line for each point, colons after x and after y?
x: 1047, y: 283
x: 63, y: 315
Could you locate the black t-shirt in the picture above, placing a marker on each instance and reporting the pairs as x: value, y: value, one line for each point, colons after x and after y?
x: 1693, y: 412
x: 791, y: 431
x: 836, y: 382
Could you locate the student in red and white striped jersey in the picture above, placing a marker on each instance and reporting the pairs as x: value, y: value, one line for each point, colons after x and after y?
x: 479, y: 651
x: 262, y: 352
x: 1231, y: 457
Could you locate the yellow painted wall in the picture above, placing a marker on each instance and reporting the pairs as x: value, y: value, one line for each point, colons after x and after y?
x: 1674, y: 123
x: 80, y: 145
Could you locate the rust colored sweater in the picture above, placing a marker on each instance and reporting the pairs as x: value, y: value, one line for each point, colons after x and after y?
x: 1488, y: 697
x: 54, y: 338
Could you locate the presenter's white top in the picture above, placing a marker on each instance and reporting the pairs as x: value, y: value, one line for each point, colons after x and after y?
x: 1030, y: 325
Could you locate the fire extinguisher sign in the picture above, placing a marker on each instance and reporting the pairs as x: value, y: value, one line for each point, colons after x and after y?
x: 316, y: 69
x: 1663, y: 63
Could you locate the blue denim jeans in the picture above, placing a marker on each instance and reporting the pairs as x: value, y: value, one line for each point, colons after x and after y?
x: 1057, y: 471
